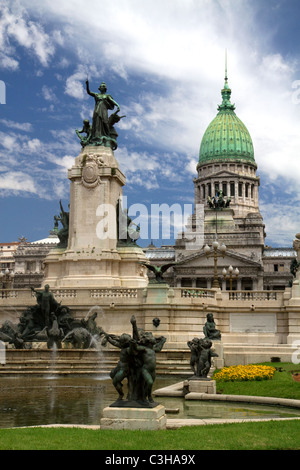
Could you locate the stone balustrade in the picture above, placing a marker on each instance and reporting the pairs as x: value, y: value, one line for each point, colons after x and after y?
x: 253, y: 295
x: 90, y: 295
x: 82, y: 296
x: 196, y: 293
x: 182, y: 311
x: 114, y: 293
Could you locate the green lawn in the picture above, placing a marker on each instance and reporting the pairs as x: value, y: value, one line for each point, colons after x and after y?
x: 282, y: 385
x: 266, y: 435
x: 243, y: 436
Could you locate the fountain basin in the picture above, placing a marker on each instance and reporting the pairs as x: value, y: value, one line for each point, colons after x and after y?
x: 79, y: 400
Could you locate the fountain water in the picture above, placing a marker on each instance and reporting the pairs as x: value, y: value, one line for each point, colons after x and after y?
x: 95, y: 311
x: 53, y: 361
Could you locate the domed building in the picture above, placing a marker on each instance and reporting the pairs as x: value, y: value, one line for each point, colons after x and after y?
x: 226, y: 161
x: 227, y: 215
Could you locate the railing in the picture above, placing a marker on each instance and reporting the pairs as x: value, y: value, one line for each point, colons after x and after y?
x: 64, y: 293
x: 253, y: 295
x: 80, y: 294
x: 198, y: 293
x: 114, y: 292
x: 88, y: 295
x: 8, y: 293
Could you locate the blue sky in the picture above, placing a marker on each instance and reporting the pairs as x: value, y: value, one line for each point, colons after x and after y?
x: 163, y: 62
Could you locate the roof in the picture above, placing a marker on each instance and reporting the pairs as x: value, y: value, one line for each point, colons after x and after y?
x: 279, y: 252
x: 52, y: 239
x: 226, y: 137
x: 160, y: 253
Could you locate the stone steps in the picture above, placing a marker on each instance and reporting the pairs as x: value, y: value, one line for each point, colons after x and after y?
x: 169, y: 361
x: 41, y: 362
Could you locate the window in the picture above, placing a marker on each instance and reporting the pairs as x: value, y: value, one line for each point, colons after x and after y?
x: 186, y: 282
x: 232, y: 189
x: 240, y: 189
x: 281, y: 268
x: 30, y: 266
x: 224, y: 189
x: 201, y: 283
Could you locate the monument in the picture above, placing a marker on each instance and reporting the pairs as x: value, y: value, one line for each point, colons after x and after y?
x: 98, y: 241
x: 202, y: 352
x: 210, y: 331
x: 137, y: 364
x: 52, y: 323
x: 201, y: 356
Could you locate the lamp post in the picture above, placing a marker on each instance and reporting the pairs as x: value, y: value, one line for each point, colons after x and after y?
x: 231, y: 272
x: 215, y: 251
x: 7, y: 278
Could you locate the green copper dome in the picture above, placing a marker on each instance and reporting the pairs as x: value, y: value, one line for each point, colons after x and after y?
x: 226, y: 137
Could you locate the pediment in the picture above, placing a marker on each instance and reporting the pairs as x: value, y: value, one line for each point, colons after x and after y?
x: 224, y: 174
x: 199, y: 259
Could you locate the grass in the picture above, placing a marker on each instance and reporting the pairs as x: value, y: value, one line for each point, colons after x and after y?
x: 244, y: 436
x: 282, y: 385
x: 266, y: 435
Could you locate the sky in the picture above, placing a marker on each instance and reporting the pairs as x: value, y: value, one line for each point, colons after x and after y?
x: 163, y: 62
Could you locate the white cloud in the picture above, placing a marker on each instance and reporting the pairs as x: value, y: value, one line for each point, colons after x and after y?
x: 9, y: 142
x: 22, y: 126
x: 48, y: 94
x: 191, y: 166
x: 7, y: 62
x: 65, y: 163
x: 74, y: 85
x: 134, y: 161
x: 17, y: 30
x: 17, y: 182
x: 177, y: 48
x: 33, y: 145
x: 281, y: 222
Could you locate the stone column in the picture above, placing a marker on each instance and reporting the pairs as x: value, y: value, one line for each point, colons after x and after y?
x: 93, y: 257
x: 96, y: 186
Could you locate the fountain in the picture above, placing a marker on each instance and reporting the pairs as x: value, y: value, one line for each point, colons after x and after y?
x: 98, y: 257
x: 137, y: 364
x: 53, y: 359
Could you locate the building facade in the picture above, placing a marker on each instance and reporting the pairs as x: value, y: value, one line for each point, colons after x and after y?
x: 227, y: 168
x: 240, y: 260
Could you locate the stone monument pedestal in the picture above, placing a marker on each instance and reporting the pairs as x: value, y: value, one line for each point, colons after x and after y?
x: 93, y: 257
x: 218, y: 362
x: 158, y: 293
x: 201, y: 385
x: 134, y: 418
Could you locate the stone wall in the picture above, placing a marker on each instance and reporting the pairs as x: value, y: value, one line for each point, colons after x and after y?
x: 251, y: 316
